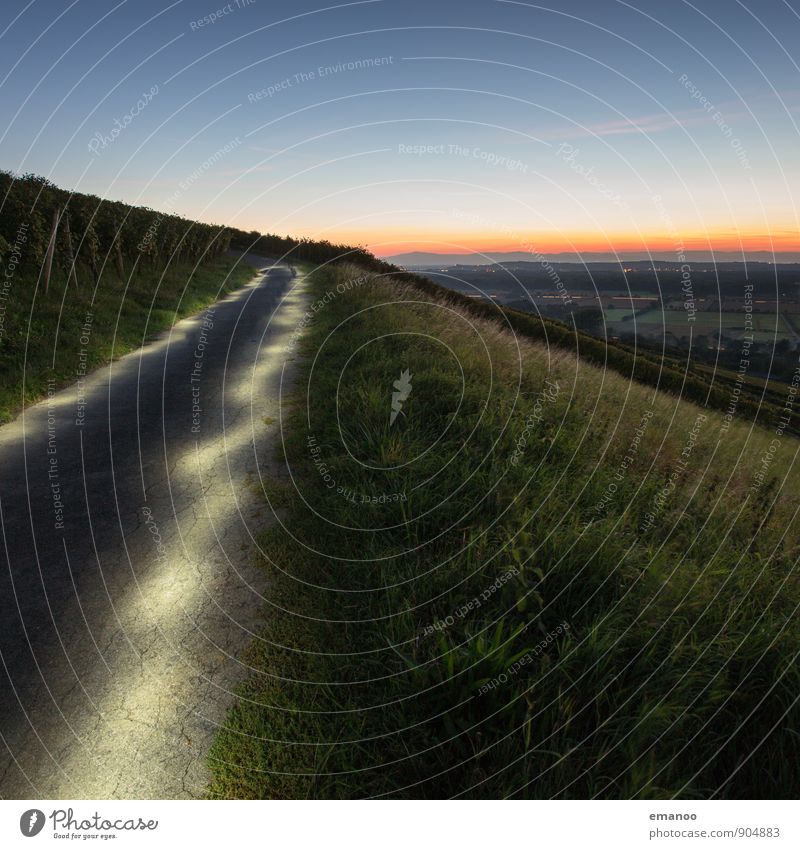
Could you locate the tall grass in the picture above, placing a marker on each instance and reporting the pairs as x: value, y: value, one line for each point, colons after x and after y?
x: 541, y: 581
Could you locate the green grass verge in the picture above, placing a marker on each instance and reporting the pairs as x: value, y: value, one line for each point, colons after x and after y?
x: 543, y: 580
x: 44, y: 337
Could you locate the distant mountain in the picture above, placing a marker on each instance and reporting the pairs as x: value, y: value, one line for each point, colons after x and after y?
x: 422, y: 259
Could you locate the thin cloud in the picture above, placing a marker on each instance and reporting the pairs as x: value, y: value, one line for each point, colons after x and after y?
x: 648, y: 124
x: 660, y: 122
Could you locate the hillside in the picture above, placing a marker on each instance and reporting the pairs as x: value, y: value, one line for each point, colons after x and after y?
x: 514, y: 559
x: 502, y: 570
x: 87, y: 279
x: 75, y: 260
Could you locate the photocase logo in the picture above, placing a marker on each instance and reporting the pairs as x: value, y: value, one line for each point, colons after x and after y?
x: 31, y: 822
x: 403, y: 390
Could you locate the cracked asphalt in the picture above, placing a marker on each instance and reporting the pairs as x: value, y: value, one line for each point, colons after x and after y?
x: 128, y: 585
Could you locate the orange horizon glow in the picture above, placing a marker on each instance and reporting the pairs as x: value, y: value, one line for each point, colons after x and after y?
x: 388, y: 243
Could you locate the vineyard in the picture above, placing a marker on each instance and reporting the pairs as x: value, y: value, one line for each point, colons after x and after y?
x: 51, y: 230
x: 132, y: 270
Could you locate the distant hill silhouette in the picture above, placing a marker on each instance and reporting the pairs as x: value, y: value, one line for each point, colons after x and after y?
x: 426, y: 259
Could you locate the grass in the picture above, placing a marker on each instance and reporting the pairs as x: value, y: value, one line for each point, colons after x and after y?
x: 543, y: 580
x: 44, y: 337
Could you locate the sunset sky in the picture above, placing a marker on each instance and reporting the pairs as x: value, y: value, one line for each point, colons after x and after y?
x: 459, y: 126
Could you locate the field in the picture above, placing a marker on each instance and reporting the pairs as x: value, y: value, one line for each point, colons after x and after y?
x: 653, y: 323
x: 535, y: 579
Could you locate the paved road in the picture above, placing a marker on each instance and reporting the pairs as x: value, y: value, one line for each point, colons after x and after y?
x: 127, y: 584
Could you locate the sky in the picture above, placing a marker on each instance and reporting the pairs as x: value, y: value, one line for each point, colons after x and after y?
x: 422, y: 126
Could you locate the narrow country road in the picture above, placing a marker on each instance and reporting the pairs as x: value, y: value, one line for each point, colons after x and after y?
x: 128, y: 584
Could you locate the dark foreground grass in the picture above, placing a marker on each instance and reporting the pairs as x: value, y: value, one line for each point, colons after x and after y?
x: 540, y: 581
x: 50, y: 337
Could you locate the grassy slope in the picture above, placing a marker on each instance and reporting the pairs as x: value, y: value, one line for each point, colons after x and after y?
x: 124, y: 315
x: 650, y: 661
x: 648, y: 363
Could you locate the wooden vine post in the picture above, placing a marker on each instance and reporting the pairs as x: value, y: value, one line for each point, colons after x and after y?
x: 72, y: 273
x: 118, y: 246
x: 51, y: 247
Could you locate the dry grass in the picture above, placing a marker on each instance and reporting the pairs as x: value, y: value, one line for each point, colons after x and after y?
x: 676, y: 672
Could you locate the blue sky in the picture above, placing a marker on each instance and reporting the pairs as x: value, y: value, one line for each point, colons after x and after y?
x: 472, y: 124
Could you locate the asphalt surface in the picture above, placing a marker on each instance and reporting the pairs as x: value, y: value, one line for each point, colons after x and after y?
x: 128, y: 582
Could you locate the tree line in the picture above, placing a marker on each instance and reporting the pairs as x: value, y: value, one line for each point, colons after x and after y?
x: 318, y: 252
